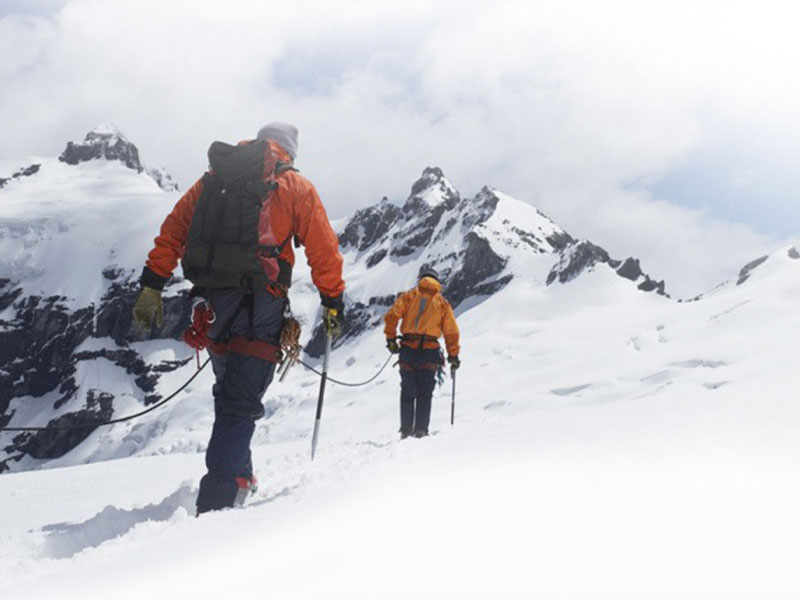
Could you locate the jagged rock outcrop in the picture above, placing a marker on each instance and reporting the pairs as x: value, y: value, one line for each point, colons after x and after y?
x: 105, y: 142
x: 163, y: 179
x: 467, y: 240
x: 23, y: 172
x: 582, y: 256
x: 40, y: 357
x: 748, y: 269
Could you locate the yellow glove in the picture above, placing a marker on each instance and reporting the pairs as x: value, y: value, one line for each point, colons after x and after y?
x: 333, y: 321
x: 148, y: 309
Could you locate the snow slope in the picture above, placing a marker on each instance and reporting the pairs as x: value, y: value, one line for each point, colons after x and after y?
x: 607, y: 445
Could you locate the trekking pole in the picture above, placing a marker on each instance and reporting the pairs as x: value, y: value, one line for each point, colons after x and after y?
x: 323, y: 380
x: 453, y: 400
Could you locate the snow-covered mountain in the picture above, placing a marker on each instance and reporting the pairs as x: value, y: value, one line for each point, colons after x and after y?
x: 75, y: 232
x: 478, y: 245
x: 610, y: 441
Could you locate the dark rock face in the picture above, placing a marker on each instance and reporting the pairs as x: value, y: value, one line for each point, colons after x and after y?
x: 575, y: 260
x: 630, y: 269
x: 748, y: 269
x: 56, y: 443
x: 433, y: 179
x: 369, y: 225
x: 480, y: 264
x: 39, y: 355
x: 101, y: 144
x: 163, y: 179
x: 428, y: 224
x: 24, y: 172
x: 583, y: 256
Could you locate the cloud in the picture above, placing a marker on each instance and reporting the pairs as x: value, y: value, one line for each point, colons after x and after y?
x: 588, y: 110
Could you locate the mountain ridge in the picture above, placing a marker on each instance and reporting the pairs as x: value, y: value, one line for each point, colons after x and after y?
x: 61, y: 318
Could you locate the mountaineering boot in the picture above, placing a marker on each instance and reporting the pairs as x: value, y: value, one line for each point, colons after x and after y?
x: 404, y: 433
x: 420, y: 433
x: 247, y: 486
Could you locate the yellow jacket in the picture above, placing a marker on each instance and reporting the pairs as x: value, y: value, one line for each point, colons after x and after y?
x: 424, y: 311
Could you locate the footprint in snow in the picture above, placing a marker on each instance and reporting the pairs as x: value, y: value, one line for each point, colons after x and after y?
x: 495, y: 405
x: 658, y: 378
x: 699, y: 362
x: 714, y: 385
x: 568, y: 391
x: 64, y: 540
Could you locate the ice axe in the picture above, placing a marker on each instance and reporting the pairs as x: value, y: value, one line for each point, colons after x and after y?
x: 453, y: 398
x: 330, y: 321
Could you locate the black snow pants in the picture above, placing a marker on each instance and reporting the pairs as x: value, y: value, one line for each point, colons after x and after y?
x: 241, y: 381
x: 418, y: 369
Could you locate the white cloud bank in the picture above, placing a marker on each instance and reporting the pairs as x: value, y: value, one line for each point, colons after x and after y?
x: 577, y: 107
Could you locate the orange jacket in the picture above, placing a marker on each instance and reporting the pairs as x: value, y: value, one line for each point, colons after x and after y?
x: 424, y: 310
x: 294, y: 209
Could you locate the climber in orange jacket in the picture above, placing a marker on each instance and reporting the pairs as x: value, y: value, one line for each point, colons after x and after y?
x: 425, y: 316
x: 232, y: 232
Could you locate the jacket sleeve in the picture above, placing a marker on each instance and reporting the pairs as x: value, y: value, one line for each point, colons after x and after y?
x: 450, y: 330
x: 314, y: 232
x: 394, y: 314
x: 171, y: 241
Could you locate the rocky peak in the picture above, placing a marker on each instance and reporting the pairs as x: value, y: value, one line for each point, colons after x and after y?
x: 104, y: 141
x: 23, y: 172
x: 163, y: 179
x: 748, y: 269
x: 107, y: 142
x: 583, y: 255
x: 432, y: 190
x: 369, y: 225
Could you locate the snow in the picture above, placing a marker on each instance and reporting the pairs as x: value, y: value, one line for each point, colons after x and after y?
x: 107, y: 129
x: 62, y: 227
x: 608, y: 443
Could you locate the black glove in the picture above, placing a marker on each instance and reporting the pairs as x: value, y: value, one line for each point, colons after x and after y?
x: 392, y: 345
x: 454, y: 362
x: 333, y: 313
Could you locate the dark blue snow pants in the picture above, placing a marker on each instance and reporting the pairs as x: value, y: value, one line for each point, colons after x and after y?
x: 417, y: 380
x: 241, y: 382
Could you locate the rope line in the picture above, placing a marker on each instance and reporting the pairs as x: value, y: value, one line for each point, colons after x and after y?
x: 178, y: 391
x: 344, y: 383
x: 112, y: 421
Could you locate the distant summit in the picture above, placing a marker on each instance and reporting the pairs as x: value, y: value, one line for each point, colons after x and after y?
x: 431, y: 190
x: 107, y: 142
x: 104, y: 141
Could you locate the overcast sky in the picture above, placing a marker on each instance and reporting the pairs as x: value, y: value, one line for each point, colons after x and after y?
x: 664, y: 130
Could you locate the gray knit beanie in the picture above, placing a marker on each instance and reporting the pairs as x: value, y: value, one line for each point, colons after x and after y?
x: 426, y: 271
x: 282, y: 133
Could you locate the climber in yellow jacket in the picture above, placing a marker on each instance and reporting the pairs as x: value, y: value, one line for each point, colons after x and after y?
x: 425, y: 316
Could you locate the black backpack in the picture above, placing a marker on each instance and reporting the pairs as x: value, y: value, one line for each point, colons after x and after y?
x: 225, y: 247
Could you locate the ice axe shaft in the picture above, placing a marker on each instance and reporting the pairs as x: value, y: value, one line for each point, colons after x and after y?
x: 323, y: 380
x: 453, y: 398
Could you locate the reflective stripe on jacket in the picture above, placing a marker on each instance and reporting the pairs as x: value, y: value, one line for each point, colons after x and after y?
x: 423, y: 310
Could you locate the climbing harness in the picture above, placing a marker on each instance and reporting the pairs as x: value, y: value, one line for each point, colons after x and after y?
x: 421, y: 339
x: 196, y: 336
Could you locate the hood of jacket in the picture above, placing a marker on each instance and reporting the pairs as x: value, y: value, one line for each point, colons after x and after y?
x: 429, y: 286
